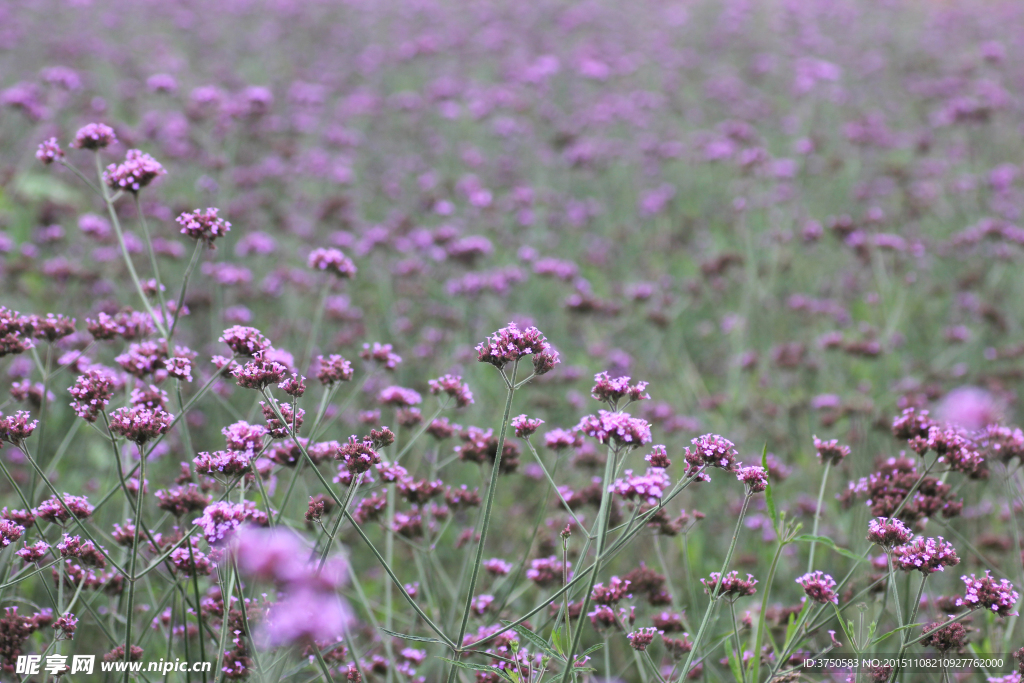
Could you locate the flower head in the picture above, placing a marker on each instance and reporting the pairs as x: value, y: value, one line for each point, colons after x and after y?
x: 140, y: 424
x: 732, y: 585
x: 830, y: 451
x: 926, y: 555
x: 334, y: 369
x: 332, y: 261
x: 620, y: 429
x: 525, y: 426
x: 245, y: 341
x: 136, y: 172
x: 203, y: 226
x: 611, y: 391
x: 49, y: 151
x: 453, y: 386
x: 986, y: 593
x: 641, y: 638
x: 509, y: 344
x: 819, y: 587
x: 755, y: 477
x: 888, y: 532
x: 94, y: 136
x: 14, y: 429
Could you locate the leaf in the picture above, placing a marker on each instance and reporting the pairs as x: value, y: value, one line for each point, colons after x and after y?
x: 534, y: 639
x: 734, y: 665
x: 476, y: 667
x: 769, y: 498
x: 895, y: 630
x: 418, y: 639
x: 791, y: 625
x: 592, y: 648
x: 826, y: 541
x: 556, y: 641
x: 846, y: 630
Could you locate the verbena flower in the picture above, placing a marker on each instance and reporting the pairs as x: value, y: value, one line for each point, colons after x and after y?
x: 139, y: 424
x: 14, y: 429
x: 94, y: 136
x: 830, y: 451
x: 509, y: 344
x: 332, y: 261
x: 611, y: 391
x: 204, y: 226
x: 525, y: 426
x: 986, y: 593
x: 926, y: 555
x: 382, y: 354
x: 819, y: 587
x: 334, y: 369
x: 754, y: 477
x: 732, y: 585
x: 641, y: 638
x: 620, y: 429
x: 136, y: 172
x: 244, y: 341
x: 49, y: 151
x: 453, y: 386
x: 60, y: 510
x: 888, y: 532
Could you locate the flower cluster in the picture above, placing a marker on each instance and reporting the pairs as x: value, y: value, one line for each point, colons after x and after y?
x: 220, y: 520
x: 641, y: 638
x: 139, y: 424
x: 381, y: 354
x: 334, y: 369
x: 619, y: 429
x: 926, y: 555
x: 611, y: 391
x: 204, y: 226
x: 510, y: 344
x: 259, y: 373
x: 888, y: 532
x: 709, y: 450
x: 754, y: 477
x: 986, y: 593
x: 136, y: 172
x: 732, y: 586
x: 525, y: 426
x: 831, y: 452
x: 453, y: 386
x: 648, y: 487
x: 332, y: 261
x: 94, y: 136
x: 14, y: 429
x: 819, y: 587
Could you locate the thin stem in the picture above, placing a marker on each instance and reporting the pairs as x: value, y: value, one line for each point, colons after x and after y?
x: 817, y: 514
x: 129, y: 614
x: 152, y: 257
x: 714, y: 596
x: 486, y: 514
x: 184, y: 286
x: 602, y: 535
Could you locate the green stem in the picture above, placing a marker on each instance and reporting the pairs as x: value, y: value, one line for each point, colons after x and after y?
x: 817, y: 514
x: 486, y: 514
x: 184, y: 286
x: 714, y: 597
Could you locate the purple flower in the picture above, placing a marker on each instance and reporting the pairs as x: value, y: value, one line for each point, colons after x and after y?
x: 819, y: 587
x: 136, y: 172
x: 732, y: 585
x: 270, y: 554
x: 399, y: 396
x: 641, y: 638
x: 334, y: 369
x: 509, y: 344
x: 830, y: 451
x: 332, y: 261
x: 658, y: 457
x: 926, y: 555
x: 381, y: 354
x: 620, y: 429
x: 94, y: 136
x: 203, y: 226
x: 985, y: 593
x: 49, y: 151
x: 754, y: 477
x: 888, y: 532
x: 453, y: 386
x: 10, y: 532
x: 525, y: 426
x: 244, y: 341
x: 139, y: 424
x: 611, y: 391
x: 60, y: 510
x: 305, y: 616
x: 558, y: 439
x: 14, y: 429
x: 92, y: 391
x: 649, y: 487
x: 220, y: 520
x: 259, y: 374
